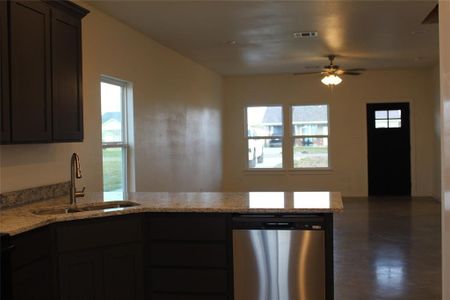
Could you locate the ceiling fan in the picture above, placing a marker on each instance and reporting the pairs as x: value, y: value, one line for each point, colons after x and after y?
x: 332, y: 72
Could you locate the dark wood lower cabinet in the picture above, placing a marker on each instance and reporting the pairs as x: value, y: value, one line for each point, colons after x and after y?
x: 123, y: 272
x: 188, y: 256
x: 33, y: 281
x: 200, y: 281
x: 32, y: 268
x: 111, y: 273
x: 123, y: 258
x: 81, y: 275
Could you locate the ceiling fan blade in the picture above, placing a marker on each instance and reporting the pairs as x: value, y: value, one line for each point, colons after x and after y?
x: 308, y: 73
x: 351, y: 73
x: 355, y: 70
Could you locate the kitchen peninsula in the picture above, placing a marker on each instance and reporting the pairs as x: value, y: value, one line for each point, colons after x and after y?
x: 174, y: 246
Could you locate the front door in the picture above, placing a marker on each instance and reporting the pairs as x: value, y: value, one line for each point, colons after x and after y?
x: 389, y: 149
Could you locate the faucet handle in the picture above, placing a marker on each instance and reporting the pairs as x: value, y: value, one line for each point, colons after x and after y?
x: 79, y: 194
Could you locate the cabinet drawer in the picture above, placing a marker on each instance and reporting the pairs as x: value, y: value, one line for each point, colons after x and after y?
x: 189, y: 281
x: 187, y: 227
x: 186, y: 254
x: 186, y: 297
x: 98, y: 232
x: 39, y: 240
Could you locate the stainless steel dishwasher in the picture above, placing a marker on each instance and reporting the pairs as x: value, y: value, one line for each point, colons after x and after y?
x: 279, y: 257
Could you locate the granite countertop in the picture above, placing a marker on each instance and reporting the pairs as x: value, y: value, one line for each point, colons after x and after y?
x: 21, y: 219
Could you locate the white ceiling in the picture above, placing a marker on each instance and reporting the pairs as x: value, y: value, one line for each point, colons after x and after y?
x: 364, y: 34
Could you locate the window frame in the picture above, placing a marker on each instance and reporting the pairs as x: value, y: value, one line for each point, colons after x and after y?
x: 287, y: 142
x: 124, y: 143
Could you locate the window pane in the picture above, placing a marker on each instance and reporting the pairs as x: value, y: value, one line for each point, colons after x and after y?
x: 113, y: 176
x: 395, y: 114
x: 310, y: 120
x: 310, y: 152
x: 111, y: 99
x: 396, y: 123
x: 381, y: 114
x: 264, y: 121
x: 381, y: 124
x: 265, y: 153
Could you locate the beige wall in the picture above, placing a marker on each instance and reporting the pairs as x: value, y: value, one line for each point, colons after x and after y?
x: 444, y: 36
x: 177, y: 117
x: 348, y: 141
x: 437, y: 132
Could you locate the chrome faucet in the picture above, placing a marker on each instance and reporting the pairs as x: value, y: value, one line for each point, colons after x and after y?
x: 75, y: 172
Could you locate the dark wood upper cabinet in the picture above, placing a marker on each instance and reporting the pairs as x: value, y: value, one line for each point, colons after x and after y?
x: 66, y: 69
x: 44, y: 101
x: 30, y: 72
x: 5, y: 129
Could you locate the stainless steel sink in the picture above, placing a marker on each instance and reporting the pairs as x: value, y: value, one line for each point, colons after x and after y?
x: 69, y: 209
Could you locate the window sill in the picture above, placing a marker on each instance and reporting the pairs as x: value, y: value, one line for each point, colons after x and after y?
x: 315, y: 171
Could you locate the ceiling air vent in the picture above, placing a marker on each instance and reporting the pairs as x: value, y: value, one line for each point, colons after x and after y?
x: 433, y: 16
x: 306, y: 34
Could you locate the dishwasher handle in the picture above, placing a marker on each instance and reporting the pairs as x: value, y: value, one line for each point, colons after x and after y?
x: 279, y: 225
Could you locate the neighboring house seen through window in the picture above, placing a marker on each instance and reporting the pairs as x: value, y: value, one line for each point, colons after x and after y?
x: 114, y: 96
x: 265, y: 136
x: 266, y: 128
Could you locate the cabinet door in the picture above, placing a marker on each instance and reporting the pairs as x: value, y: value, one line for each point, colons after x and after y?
x: 66, y: 70
x: 5, y: 130
x: 81, y: 275
x: 33, y: 281
x: 123, y: 272
x: 31, y: 265
x: 30, y: 72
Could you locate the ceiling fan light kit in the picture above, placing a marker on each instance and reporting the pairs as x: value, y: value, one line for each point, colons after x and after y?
x: 332, y: 73
x: 331, y: 80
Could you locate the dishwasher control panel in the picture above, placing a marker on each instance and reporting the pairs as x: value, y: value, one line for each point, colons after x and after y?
x: 279, y: 222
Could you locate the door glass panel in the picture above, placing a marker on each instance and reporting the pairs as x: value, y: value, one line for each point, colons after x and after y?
x: 113, y: 177
x: 381, y: 123
x: 381, y: 114
x: 395, y: 123
x: 395, y: 114
x: 265, y: 153
x: 310, y: 152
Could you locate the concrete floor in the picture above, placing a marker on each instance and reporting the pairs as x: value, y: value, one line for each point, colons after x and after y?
x: 388, y: 248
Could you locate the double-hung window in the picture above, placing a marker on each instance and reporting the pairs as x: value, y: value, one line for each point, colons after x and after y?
x: 310, y: 136
x: 307, y: 147
x: 114, y: 96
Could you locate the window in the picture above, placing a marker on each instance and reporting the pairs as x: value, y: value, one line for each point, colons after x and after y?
x: 114, y: 106
x: 266, y: 128
x: 388, y: 118
x: 265, y: 136
x: 310, y: 136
